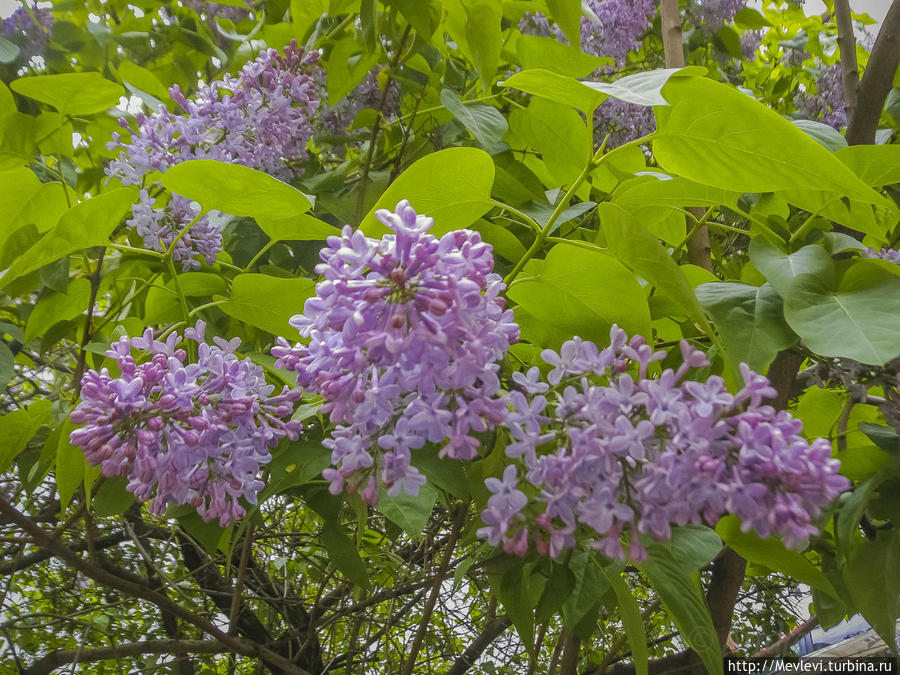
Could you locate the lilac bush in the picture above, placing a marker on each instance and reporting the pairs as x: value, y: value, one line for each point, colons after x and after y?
x: 603, y: 449
x: 181, y: 432
x: 405, y: 334
x: 260, y: 119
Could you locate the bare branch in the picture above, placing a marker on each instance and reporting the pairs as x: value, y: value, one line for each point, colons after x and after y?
x: 62, y: 657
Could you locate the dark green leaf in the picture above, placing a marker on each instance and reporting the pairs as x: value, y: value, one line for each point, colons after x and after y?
x: 410, y: 513
x: 17, y: 428
x: 343, y: 554
x: 632, y: 622
x: 485, y: 122
x: 58, y: 307
x: 112, y: 498
x: 781, y: 268
x: 749, y: 319
x: 267, y: 302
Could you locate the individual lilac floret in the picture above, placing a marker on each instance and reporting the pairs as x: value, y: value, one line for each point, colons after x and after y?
x: 405, y: 334
x: 827, y: 104
x: 186, y: 433
x: 258, y: 119
x: 608, y: 450
x: 159, y: 227
x: 29, y: 35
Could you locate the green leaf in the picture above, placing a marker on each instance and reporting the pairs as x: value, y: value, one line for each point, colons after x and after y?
x: 17, y: 428
x: 7, y: 102
x: 559, y: 586
x: 198, y: 284
x: 555, y: 87
x: 299, y: 463
x: 70, y: 466
x: 300, y: 227
x: 749, y: 319
x: 773, y: 554
x: 751, y: 18
x: 872, y: 576
x: 876, y: 165
x: 443, y: 472
x: 58, y: 307
x: 485, y: 122
x: 716, y: 135
x: 235, y: 189
x: 558, y: 134
x: 514, y: 594
x: 410, y: 513
x: 644, y: 88
x: 638, y: 250
x: 71, y: 93
x: 8, y: 51
x: 675, y: 578
x: 304, y: 13
x: 17, y: 143
x: 84, y: 225
x: 209, y: 535
x: 453, y: 186
x: 859, y: 318
x: 7, y: 365
x: 567, y: 15
x: 674, y: 192
x: 583, y: 293
x: 422, y: 15
x: 343, y: 553
x: 535, y: 51
x: 484, y: 38
x: 112, y: 498
x: 505, y: 243
x: 829, y: 137
x: 632, y: 622
x: 780, y: 268
x: 142, y: 79
x: 348, y: 63
x: 267, y: 302
x: 590, y: 590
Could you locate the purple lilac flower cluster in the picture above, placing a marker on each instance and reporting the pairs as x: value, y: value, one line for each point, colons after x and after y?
x: 826, y: 105
x: 28, y: 29
x: 337, y: 118
x: 716, y: 13
x: 405, y: 334
x: 193, y: 433
x: 889, y: 254
x: 260, y: 119
x: 617, y: 30
x: 613, y: 451
x: 159, y: 226
x: 623, y: 121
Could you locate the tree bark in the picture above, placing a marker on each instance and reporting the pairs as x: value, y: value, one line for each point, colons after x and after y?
x: 876, y: 81
x: 847, y: 46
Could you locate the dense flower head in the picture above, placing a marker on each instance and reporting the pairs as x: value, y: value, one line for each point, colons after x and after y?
x: 192, y: 433
x: 159, y: 226
x: 28, y: 29
x: 260, y: 119
x: 604, y: 449
x: 623, y: 121
x: 827, y: 103
x: 405, y: 333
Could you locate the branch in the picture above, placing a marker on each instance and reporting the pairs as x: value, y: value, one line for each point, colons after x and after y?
x: 847, y: 45
x: 39, y: 556
x: 779, y: 647
x: 142, y: 592
x: 62, y: 657
x: 876, y: 82
x: 491, y: 632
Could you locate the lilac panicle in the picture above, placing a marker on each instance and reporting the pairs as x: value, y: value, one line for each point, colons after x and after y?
x: 260, y: 119
x: 405, y: 334
x: 889, y: 254
x: 180, y: 432
x: 827, y: 104
x: 159, y: 226
x: 606, y: 450
x: 29, y: 35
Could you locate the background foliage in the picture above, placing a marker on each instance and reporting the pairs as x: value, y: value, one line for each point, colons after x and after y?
x: 720, y: 203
